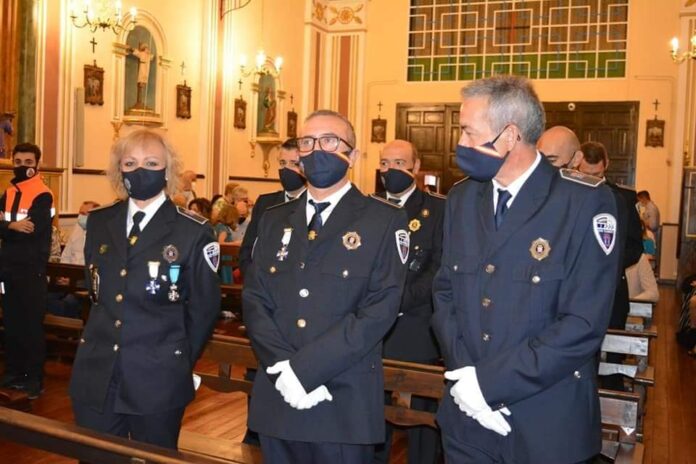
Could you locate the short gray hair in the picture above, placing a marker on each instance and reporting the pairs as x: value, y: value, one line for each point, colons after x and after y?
x: 351, y: 131
x: 511, y: 100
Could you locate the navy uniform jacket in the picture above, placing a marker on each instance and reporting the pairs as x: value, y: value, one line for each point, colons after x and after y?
x: 531, y: 327
x: 325, y: 307
x: 263, y: 202
x: 411, y: 338
x: 155, y: 340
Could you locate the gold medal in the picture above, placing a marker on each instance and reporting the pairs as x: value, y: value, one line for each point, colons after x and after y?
x: 425, y: 213
x: 103, y: 249
x: 133, y: 239
x: 351, y: 240
x: 414, y: 225
x: 170, y: 253
x: 312, y: 234
x: 540, y: 249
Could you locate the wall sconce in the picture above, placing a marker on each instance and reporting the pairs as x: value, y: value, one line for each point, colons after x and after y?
x: 108, y: 17
x: 678, y: 57
x: 261, y: 65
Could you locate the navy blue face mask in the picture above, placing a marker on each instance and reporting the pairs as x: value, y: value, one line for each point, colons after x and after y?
x: 323, y: 169
x: 143, y: 184
x: 291, y: 180
x: 397, y: 180
x: 483, y: 162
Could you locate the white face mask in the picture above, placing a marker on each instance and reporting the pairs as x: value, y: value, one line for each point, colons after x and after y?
x: 82, y: 221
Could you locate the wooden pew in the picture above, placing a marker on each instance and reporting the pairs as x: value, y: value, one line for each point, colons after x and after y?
x: 231, y: 293
x: 83, y: 444
x: 642, y: 310
x: 620, y: 412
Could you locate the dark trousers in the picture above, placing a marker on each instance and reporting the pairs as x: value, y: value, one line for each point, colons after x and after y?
x: 250, y: 437
x: 423, y: 442
x: 23, y: 306
x: 277, y: 451
x: 161, y: 429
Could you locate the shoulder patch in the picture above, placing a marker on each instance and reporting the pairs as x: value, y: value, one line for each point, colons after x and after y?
x: 437, y: 195
x: 581, y: 178
x: 384, y: 201
x: 103, y: 207
x: 191, y: 215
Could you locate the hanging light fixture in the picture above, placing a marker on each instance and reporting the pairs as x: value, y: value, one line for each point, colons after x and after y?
x: 679, y: 56
x: 261, y: 65
x: 103, y: 15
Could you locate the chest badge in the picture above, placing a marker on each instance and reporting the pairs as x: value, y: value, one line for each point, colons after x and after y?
x: 351, y: 240
x: 284, y: 242
x: 540, y: 249
x: 425, y: 212
x: 153, y: 270
x: 103, y: 248
x: 414, y: 225
x: 312, y: 235
x: 170, y: 253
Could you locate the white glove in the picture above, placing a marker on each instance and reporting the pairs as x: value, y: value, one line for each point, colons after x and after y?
x: 315, y: 397
x: 196, y: 381
x: 466, y: 391
x: 287, y: 383
x: 494, y: 420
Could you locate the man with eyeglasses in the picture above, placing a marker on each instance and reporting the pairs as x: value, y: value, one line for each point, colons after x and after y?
x: 411, y: 338
x: 323, y: 289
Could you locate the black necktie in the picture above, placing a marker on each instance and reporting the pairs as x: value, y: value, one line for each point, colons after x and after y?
x: 501, y: 208
x: 135, y: 230
x: 316, y: 222
x: 396, y: 201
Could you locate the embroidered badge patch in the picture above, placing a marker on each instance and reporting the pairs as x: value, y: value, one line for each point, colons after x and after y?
x: 211, y: 252
x: 402, y: 244
x: 540, y: 249
x: 351, y: 240
x: 170, y: 253
x: 604, y: 226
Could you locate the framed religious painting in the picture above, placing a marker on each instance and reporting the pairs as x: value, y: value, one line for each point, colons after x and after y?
x: 240, y: 109
x: 379, y: 131
x: 183, y: 101
x: 655, y: 133
x: 292, y: 124
x: 94, y: 84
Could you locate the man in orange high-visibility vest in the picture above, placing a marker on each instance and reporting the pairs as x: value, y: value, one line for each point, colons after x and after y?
x: 26, y: 209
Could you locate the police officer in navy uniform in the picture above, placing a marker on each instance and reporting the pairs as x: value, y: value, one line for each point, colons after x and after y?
x: 411, y: 338
x: 294, y: 184
x: 152, y: 273
x: 521, y: 297
x: 323, y: 289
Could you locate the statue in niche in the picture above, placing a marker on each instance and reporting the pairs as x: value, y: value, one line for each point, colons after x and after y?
x: 267, y: 104
x: 141, y: 76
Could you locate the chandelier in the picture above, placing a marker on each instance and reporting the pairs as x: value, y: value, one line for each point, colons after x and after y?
x: 103, y: 15
x: 678, y: 56
x: 261, y: 65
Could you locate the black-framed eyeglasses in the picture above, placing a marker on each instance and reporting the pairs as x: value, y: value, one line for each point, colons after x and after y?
x: 326, y: 143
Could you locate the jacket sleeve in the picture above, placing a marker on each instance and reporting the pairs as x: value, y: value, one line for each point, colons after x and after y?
x: 3, y: 223
x: 444, y: 321
x: 39, y: 214
x: 584, y: 308
x: 351, y: 338
x: 266, y: 338
x: 250, y: 237
x: 203, y: 305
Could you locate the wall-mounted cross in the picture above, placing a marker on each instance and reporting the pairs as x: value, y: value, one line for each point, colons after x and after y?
x: 94, y: 43
x: 292, y: 98
x: 379, y: 105
x: 656, y: 103
x: 240, y: 84
x: 183, y: 67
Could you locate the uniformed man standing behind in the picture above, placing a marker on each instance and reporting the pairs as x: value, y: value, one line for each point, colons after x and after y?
x: 521, y: 297
x: 25, y: 230
x: 152, y: 273
x: 294, y: 184
x: 411, y: 338
x: 323, y: 289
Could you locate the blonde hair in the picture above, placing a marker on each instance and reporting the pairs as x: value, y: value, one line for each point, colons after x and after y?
x: 142, y: 138
x: 228, y: 215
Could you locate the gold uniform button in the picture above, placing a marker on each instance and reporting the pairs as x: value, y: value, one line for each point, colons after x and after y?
x: 304, y: 293
x: 82, y: 340
x: 486, y: 302
x: 116, y: 347
x: 123, y: 272
x: 119, y: 298
x: 536, y: 279
x: 490, y: 269
x: 486, y: 337
x: 301, y: 323
x: 345, y: 273
x: 272, y: 269
x: 117, y: 324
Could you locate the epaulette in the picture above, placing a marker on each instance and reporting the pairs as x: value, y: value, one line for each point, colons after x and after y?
x: 461, y: 181
x: 383, y: 200
x: 436, y: 195
x: 283, y: 203
x: 626, y: 187
x: 581, y: 178
x: 103, y: 207
x: 191, y: 215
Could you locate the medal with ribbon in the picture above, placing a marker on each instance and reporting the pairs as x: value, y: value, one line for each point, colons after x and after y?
x: 285, y: 241
x: 173, y: 294
x: 153, y: 270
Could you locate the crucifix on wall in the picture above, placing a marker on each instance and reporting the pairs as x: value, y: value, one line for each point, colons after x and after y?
x: 655, y: 129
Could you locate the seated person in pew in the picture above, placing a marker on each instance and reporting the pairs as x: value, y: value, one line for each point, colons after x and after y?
x: 66, y: 304
x: 201, y: 206
x: 523, y: 296
x: 411, y: 339
x: 152, y: 276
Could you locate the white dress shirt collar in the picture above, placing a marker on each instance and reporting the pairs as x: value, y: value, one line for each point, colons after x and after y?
x: 149, y: 211
x: 333, y: 199
x: 403, y: 198
x: 516, y: 185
